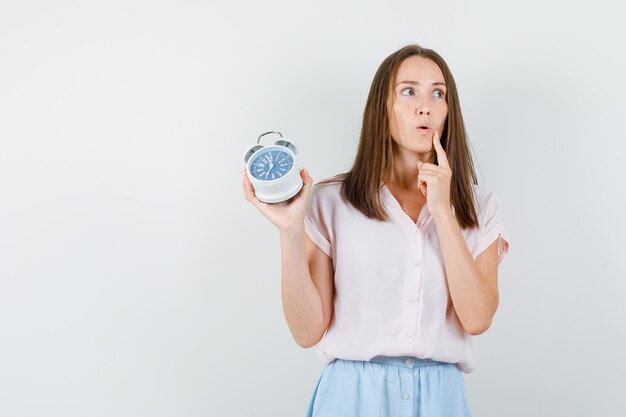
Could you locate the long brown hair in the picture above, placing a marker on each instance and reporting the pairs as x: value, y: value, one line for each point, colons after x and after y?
x: 374, y: 159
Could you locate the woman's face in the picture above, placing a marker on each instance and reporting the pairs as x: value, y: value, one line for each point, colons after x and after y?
x: 420, y: 99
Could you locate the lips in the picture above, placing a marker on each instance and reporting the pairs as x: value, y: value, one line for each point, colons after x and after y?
x: 423, y: 126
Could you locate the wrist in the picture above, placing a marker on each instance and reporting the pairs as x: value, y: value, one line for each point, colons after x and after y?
x: 292, y: 231
x: 443, y: 214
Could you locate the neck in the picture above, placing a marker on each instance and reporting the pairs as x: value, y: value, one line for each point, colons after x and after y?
x: 404, y: 174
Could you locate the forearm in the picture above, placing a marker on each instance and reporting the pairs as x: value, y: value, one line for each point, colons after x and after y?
x: 474, y: 301
x: 302, y: 304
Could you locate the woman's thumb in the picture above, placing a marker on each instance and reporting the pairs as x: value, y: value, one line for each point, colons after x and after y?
x: 306, y: 179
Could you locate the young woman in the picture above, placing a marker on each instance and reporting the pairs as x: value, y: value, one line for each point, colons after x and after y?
x: 391, y: 268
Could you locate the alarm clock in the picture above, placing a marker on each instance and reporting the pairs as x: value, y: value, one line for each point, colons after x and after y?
x: 273, y: 170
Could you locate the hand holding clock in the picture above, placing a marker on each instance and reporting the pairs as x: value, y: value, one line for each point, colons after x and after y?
x: 286, y: 215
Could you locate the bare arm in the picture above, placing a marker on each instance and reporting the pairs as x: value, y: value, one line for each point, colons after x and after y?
x: 473, y: 284
x: 307, y: 272
x: 307, y: 287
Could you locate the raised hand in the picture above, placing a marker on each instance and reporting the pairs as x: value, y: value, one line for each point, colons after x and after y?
x: 287, y: 214
x: 434, y: 180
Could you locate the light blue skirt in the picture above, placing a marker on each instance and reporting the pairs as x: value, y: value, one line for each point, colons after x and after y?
x: 401, y: 386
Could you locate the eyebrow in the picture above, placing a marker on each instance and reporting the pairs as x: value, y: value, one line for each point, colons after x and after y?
x: 416, y: 82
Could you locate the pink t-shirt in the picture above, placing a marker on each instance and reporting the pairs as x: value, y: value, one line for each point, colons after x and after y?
x: 391, y: 292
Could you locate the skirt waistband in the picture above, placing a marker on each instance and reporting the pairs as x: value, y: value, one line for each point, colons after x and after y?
x: 406, y: 361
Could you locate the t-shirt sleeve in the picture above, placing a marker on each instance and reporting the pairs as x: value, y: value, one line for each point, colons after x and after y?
x: 316, y: 221
x: 492, y: 228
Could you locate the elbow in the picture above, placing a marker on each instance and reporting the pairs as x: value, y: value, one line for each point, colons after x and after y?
x: 310, y: 336
x: 311, y: 340
x: 482, y: 323
x: 477, y: 329
x: 307, y: 343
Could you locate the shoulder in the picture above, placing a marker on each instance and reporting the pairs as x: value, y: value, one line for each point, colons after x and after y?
x: 326, y: 190
x: 325, y: 199
x: 481, y: 192
x: 485, y: 201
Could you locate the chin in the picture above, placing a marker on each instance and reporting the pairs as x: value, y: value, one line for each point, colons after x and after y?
x: 417, y: 147
x: 422, y: 146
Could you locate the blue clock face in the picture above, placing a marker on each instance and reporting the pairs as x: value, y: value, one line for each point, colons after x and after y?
x: 270, y: 164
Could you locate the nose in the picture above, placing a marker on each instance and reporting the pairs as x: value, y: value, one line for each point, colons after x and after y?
x: 422, y: 109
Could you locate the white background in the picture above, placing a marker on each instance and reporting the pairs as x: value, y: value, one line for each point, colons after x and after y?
x: 135, y: 280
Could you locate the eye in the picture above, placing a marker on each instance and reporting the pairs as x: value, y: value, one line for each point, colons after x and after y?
x: 441, y: 96
x: 406, y: 89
